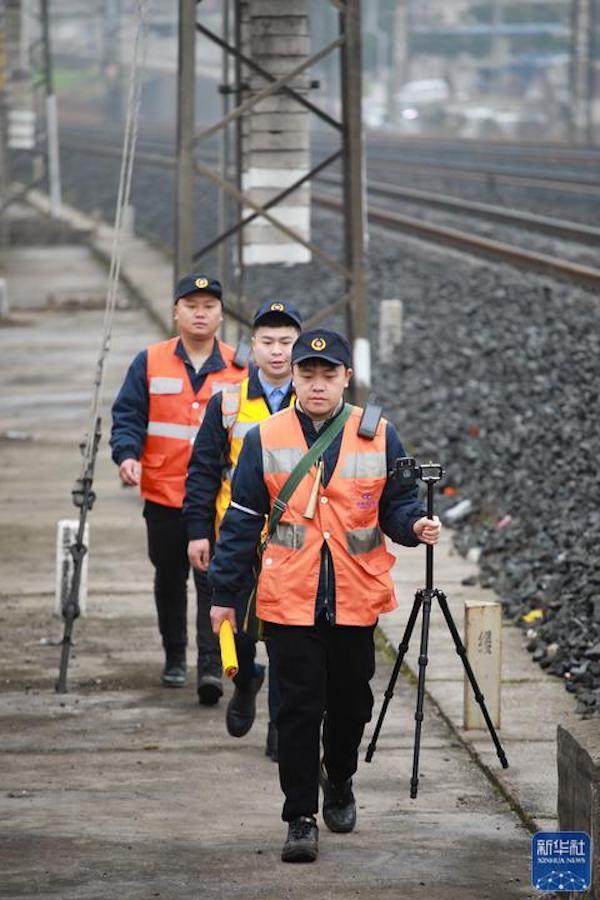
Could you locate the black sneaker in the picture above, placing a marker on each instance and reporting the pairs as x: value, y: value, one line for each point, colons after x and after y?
x: 339, y: 806
x: 174, y: 674
x: 302, y: 843
x: 241, y: 709
x: 210, y: 689
x: 271, y: 748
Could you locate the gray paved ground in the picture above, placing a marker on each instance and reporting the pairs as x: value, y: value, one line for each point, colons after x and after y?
x: 123, y: 789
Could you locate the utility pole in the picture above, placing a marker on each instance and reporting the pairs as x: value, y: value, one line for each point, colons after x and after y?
x: 111, y: 59
x: 357, y: 318
x: 3, y: 123
x: 399, y: 67
x: 186, y: 104
x: 582, y: 71
x: 52, y: 154
x: 498, y: 42
x: 222, y: 265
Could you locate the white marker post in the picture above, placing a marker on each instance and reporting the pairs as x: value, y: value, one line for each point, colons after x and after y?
x: 66, y: 534
x: 483, y: 642
x: 390, y: 330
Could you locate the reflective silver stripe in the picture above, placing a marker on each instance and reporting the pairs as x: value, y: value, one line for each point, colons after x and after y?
x: 365, y: 465
x: 217, y: 386
x: 171, y: 430
x: 228, y: 476
x: 160, y: 385
x: 241, y: 429
x: 362, y: 540
x: 281, y: 460
x: 290, y: 536
x: 230, y: 405
x: 251, y: 512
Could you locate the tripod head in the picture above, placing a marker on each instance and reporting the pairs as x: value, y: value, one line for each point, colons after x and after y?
x: 408, y: 472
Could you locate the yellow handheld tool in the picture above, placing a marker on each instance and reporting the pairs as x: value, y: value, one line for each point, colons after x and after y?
x: 229, y: 658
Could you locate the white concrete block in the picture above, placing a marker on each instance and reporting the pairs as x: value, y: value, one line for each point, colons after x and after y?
x: 390, y: 329
x: 271, y: 254
x: 280, y: 179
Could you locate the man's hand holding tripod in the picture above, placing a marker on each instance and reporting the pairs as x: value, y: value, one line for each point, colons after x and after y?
x: 428, y: 530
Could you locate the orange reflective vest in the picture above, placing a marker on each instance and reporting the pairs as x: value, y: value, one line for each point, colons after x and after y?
x: 346, y: 518
x: 174, y: 416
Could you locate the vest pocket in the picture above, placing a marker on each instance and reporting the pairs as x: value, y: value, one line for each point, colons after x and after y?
x: 378, y: 564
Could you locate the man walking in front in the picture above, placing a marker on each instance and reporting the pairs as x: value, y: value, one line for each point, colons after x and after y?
x: 324, y: 579
x: 156, y: 417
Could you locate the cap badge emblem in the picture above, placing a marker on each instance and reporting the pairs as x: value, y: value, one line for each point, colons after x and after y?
x: 277, y: 307
x: 318, y: 343
x: 201, y: 282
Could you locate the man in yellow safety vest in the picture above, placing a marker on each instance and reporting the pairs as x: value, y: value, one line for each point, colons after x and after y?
x: 229, y: 416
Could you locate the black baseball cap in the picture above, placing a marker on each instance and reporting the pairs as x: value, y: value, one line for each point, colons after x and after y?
x: 280, y: 307
x: 328, y: 346
x: 191, y: 283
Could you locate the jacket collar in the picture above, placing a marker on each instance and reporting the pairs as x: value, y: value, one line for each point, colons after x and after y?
x: 213, y: 363
x: 255, y: 388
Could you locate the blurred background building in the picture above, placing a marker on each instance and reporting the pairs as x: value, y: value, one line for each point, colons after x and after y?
x: 512, y: 69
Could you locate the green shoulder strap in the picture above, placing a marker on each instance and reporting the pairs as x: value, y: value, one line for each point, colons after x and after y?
x: 302, y: 468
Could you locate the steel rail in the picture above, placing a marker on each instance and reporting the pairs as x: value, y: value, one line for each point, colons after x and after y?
x: 475, y: 244
x: 563, y: 229
x: 492, y: 176
x: 529, y: 150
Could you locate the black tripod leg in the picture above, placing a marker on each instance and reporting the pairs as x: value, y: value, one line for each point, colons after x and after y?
x: 461, y: 650
x: 389, y: 691
x: 414, y: 781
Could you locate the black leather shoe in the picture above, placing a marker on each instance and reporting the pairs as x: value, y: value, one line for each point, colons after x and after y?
x: 241, y: 709
x: 210, y: 689
x: 302, y: 843
x: 271, y: 748
x: 339, y: 806
x: 174, y: 674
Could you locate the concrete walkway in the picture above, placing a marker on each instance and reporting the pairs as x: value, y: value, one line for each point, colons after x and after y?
x: 121, y: 788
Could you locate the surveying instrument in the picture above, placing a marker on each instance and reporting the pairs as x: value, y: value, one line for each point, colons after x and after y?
x: 407, y: 471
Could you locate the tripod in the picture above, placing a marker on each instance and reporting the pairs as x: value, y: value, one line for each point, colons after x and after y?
x: 407, y: 471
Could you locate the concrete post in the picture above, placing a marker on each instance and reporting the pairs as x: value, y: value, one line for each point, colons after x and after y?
x: 483, y: 643
x: 578, y: 760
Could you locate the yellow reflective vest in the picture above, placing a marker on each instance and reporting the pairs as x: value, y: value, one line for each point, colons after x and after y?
x: 240, y: 413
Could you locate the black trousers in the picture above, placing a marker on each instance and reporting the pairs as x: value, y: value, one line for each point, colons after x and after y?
x: 320, y: 667
x: 167, y: 549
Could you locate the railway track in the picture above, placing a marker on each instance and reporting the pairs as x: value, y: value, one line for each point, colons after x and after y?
x: 560, y: 154
x: 441, y: 235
